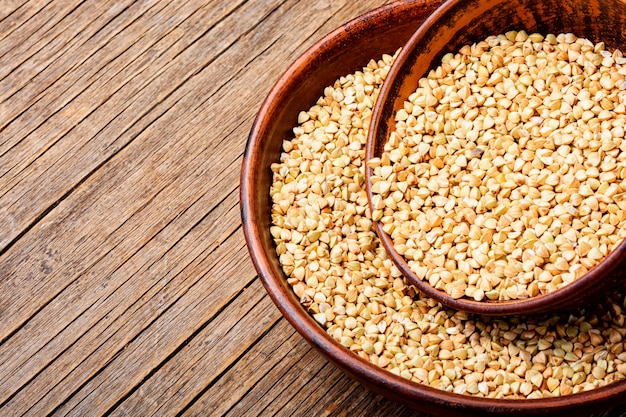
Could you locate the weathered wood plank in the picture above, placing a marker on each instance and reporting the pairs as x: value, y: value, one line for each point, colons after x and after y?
x: 29, y: 153
x: 132, y: 361
x: 44, y: 29
x: 253, y: 375
x: 82, y: 53
x: 123, y: 42
x: 368, y: 404
x: 140, y: 293
x: 83, y: 132
x: 286, y: 379
x: 17, y: 12
x: 165, y: 335
x: 204, y: 358
x: 317, y: 391
x: 310, y: 384
x: 152, y: 143
x: 90, y: 288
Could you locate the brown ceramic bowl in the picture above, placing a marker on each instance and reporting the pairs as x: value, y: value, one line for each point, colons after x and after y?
x: 461, y: 22
x: 343, y: 51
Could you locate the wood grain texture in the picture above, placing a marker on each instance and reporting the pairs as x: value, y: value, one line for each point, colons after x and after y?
x: 125, y: 283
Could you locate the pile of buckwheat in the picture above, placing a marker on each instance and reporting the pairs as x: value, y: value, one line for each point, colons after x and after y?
x: 332, y: 258
x: 505, y: 176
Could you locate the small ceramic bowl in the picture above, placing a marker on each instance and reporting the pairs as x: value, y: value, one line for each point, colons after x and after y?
x: 344, y: 51
x: 463, y: 22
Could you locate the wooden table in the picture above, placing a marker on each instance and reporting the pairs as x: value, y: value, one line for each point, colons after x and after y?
x: 125, y: 283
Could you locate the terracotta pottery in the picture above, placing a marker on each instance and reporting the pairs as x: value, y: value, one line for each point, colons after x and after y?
x: 462, y: 22
x: 344, y: 51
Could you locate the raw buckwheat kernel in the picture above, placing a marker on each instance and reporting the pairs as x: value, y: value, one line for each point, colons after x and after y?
x: 505, y: 177
x: 332, y: 259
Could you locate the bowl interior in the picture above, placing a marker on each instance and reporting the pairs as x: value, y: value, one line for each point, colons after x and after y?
x: 462, y: 22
